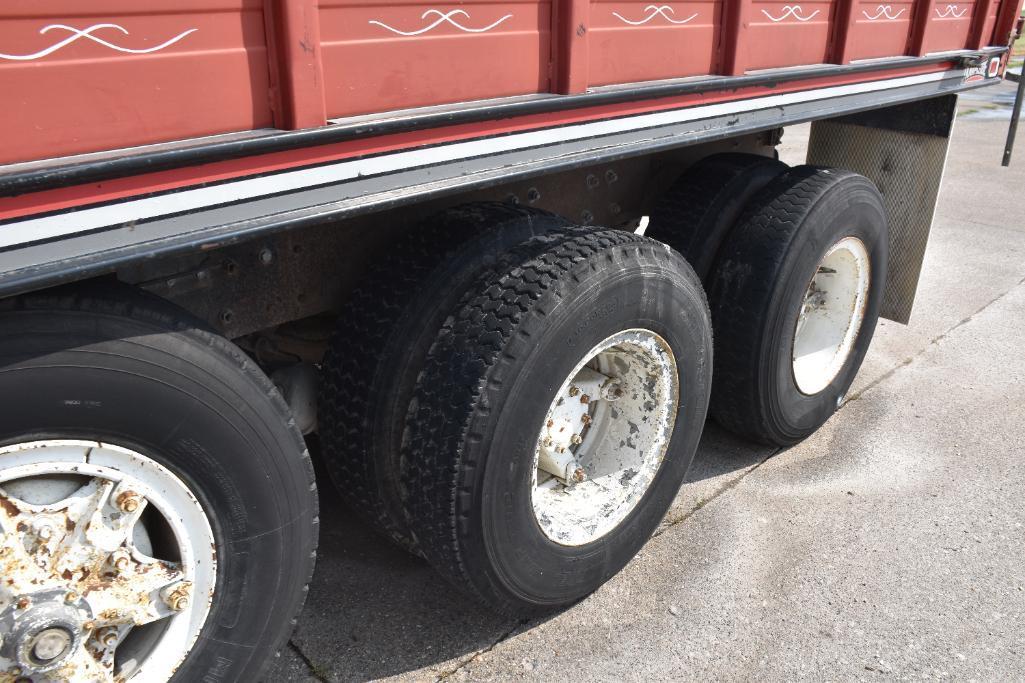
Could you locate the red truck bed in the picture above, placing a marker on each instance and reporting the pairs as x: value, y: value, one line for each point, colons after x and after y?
x: 131, y: 130
x: 122, y: 74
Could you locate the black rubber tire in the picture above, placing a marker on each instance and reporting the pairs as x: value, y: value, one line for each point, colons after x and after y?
x: 697, y: 212
x: 384, y: 333
x: 484, y: 392
x: 145, y: 375
x: 757, y: 290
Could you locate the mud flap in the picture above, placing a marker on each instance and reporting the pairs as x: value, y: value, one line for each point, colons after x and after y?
x: 903, y: 150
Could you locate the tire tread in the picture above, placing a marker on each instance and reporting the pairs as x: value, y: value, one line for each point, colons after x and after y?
x: 742, y: 287
x: 454, y: 387
x: 123, y: 302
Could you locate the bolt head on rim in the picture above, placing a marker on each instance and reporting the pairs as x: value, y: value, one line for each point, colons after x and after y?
x: 604, y: 437
x: 104, y: 550
x: 831, y: 314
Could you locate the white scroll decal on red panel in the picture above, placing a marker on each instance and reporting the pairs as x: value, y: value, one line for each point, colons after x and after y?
x: 884, y: 13
x: 442, y: 18
x: 951, y: 11
x: 89, y: 33
x: 794, y: 11
x: 664, y: 11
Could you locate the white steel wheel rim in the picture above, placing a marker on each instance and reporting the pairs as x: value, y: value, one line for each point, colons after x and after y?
x: 604, y: 437
x: 84, y: 527
x: 831, y: 314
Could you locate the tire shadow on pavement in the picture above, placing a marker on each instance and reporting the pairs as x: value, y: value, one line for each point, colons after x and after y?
x: 374, y: 611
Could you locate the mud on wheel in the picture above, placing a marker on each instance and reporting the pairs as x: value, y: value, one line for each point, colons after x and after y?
x: 157, y: 510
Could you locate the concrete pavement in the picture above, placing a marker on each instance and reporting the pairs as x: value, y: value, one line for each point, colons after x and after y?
x: 891, y: 543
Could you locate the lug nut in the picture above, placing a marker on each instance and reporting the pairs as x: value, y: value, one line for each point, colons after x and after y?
x: 45, y: 532
x: 70, y: 596
x: 612, y: 390
x: 129, y: 501
x: 585, y: 418
x: 120, y: 560
x: 178, y: 597
x: 573, y: 391
x: 23, y: 603
x: 584, y: 398
x: 576, y: 439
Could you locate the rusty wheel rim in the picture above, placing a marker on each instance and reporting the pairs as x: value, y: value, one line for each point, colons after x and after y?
x: 604, y: 437
x: 831, y: 314
x: 109, y: 561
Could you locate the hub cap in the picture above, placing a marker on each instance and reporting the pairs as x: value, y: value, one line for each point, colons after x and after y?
x: 604, y: 437
x: 108, y: 564
x: 831, y: 315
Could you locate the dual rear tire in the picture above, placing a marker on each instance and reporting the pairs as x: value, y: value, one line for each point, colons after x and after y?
x: 488, y: 410
x: 795, y: 289
x: 530, y: 410
x: 548, y: 420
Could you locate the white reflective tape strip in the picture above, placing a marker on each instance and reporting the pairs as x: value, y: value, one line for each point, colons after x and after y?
x: 84, y: 220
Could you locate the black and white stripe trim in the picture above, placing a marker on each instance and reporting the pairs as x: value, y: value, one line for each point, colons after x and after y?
x: 91, y: 219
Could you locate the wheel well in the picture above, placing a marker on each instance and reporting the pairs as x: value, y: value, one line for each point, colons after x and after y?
x: 294, y: 277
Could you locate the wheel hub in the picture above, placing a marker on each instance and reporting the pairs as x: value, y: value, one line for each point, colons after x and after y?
x: 43, y: 631
x: 79, y: 564
x: 604, y: 437
x: 830, y: 317
x: 50, y: 645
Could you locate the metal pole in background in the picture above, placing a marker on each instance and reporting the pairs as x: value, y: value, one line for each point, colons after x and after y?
x: 1015, y: 113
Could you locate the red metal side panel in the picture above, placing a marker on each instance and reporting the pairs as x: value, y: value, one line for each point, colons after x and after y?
x: 948, y: 26
x: 77, y: 79
x: 635, y: 40
x: 297, y: 77
x: 382, y: 55
x: 1007, y: 19
x: 122, y: 188
x: 880, y: 30
x: 985, y: 22
x: 783, y: 34
x: 570, y: 35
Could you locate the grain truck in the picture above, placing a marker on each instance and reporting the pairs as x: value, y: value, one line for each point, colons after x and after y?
x: 493, y: 262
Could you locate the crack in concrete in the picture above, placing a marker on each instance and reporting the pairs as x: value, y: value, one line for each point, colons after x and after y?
x: 479, y: 653
x: 725, y: 488
x: 315, y: 671
x: 987, y: 224
x: 932, y: 342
